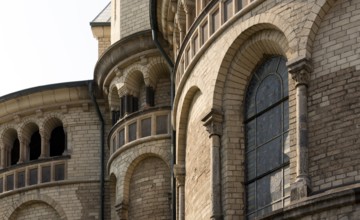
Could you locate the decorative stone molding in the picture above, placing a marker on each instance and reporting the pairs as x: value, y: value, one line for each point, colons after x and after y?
x: 189, y: 6
x: 179, y: 173
x: 213, y: 122
x: 300, y: 71
x: 64, y: 109
x: 122, y: 210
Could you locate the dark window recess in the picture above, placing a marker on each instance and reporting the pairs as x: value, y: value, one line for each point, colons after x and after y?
x: 115, y: 116
x: 121, y: 138
x: 122, y: 106
x: 131, y: 104
x: 135, y: 104
x: 20, y: 179
x: 162, y: 124
x: 35, y: 146
x: 15, y: 152
x: 1, y: 185
x: 132, y: 132
x: 150, y: 96
x: 57, y: 142
x: 146, y: 127
x: 45, y: 174
x: 59, y: 172
x: 128, y: 104
x: 33, y: 178
x: 114, y: 144
x: 9, y: 182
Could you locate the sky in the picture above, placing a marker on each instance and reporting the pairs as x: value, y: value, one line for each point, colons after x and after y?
x: 46, y: 41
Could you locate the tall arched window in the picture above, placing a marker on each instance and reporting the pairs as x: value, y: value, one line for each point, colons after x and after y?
x: 267, y: 142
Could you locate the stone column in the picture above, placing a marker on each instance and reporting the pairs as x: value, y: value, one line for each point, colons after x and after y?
x: 189, y: 7
x: 23, y: 151
x: 122, y: 211
x: 300, y: 73
x: 179, y: 173
x: 213, y: 123
x: 3, y: 155
x: 45, y: 144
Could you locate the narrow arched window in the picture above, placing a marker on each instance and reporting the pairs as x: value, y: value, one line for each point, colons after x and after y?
x: 57, y: 142
x: 35, y: 146
x: 267, y: 142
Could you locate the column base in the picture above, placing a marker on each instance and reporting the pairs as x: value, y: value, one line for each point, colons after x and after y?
x: 300, y: 189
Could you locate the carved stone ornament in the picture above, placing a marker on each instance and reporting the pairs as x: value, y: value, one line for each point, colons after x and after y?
x: 213, y: 122
x: 300, y: 71
x: 179, y: 173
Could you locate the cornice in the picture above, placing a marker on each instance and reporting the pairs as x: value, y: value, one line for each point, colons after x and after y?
x: 121, y: 50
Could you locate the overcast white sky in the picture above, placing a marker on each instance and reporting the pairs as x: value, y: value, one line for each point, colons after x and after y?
x: 46, y: 41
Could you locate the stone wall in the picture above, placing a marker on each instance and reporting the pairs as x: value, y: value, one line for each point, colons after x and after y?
x: 334, y: 97
x: 150, y: 190
x: 134, y: 17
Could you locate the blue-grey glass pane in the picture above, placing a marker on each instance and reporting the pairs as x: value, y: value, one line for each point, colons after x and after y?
x: 269, y: 156
x: 20, y: 179
x: 59, y: 172
x: 268, y: 93
x: 268, y: 125
x: 250, y: 135
x: 1, y: 185
x: 270, y: 66
x: 114, y: 144
x: 250, y: 197
x: 263, y: 196
x: 283, y: 72
x: 286, y: 181
x: 162, y: 124
x: 121, y: 138
x: 132, y: 132
x: 33, y: 179
x: 146, y: 127
x: 251, y: 216
x: 286, y: 142
x: 10, y: 182
x: 251, y: 165
x: 45, y: 174
x: 276, y: 185
x: 250, y: 97
x: 286, y: 115
x: 269, y: 189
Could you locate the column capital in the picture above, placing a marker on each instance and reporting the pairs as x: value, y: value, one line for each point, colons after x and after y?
x: 189, y: 6
x: 213, y: 122
x: 300, y: 70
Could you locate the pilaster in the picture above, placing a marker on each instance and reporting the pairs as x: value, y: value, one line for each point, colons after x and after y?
x: 300, y: 73
x: 213, y: 123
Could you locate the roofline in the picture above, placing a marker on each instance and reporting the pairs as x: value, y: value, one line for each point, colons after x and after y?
x: 98, y: 24
x: 93, y: 23
x: 44, y: 88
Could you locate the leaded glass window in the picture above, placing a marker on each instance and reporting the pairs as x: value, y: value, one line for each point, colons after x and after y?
x: 267, y: 139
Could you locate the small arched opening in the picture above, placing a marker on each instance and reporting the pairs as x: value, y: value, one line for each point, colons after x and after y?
x: 15, y: 152
x: 57, y: 141
x: 35, y: 146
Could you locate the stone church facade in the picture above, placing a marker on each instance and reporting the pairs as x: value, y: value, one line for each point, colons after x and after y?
x: 198, y: 109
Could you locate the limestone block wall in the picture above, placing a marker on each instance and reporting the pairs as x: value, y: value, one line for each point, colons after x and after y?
x: 334, y: 97
x: 197, y: 161
x: 65, y: 201
x: 141, y: 174
x: 76, y: 194
x: 134, y: 17
x: 149, y: 190
x: 36, y: 210
x: 222, y: 68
